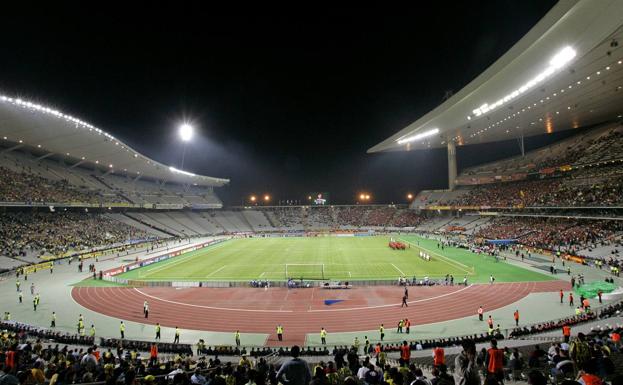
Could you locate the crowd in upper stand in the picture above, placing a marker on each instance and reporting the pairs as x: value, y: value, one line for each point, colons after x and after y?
x: 600, y: 145
x: 31, y: 188
x: 582, y: 191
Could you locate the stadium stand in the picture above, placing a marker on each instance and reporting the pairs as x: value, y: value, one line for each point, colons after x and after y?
x: 25, y: 236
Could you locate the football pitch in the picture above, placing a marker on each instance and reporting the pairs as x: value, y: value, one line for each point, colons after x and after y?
x: 330, y: 258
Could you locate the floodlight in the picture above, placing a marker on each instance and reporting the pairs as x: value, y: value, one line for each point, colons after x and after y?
x: 252, y: 198
x: 186, y: 132
x: 266, y: 197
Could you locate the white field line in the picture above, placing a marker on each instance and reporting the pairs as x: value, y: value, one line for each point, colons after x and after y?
x: 216, y: 271
x: 400, y: 271
x: 445, y: 259
x: 211, y: 307
x: 177, y: 260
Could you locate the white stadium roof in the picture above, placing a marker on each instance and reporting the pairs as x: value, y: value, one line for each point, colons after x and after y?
x: 565, y: 73
x: 47, y: 132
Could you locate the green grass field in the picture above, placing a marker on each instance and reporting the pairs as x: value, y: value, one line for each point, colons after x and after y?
x: 334, y: 258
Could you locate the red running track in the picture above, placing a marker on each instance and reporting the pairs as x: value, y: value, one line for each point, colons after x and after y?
x: 301, y: 311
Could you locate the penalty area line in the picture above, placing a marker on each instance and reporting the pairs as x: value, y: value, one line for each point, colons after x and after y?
x: 396, y: 267
x: 216, y: 271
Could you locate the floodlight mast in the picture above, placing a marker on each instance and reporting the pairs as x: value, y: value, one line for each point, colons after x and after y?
x: 186, y: 134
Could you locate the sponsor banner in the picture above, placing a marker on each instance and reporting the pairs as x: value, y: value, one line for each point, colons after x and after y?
x: 548, y: 170
x: 36, y: 267
x: 439, y: 207
x: 168, y: 206
x: 112, y: 272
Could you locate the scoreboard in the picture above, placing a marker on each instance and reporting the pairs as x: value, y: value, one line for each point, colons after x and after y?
x: 318, y: 198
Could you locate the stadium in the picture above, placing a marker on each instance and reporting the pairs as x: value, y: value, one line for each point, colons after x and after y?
x: 116, y: 267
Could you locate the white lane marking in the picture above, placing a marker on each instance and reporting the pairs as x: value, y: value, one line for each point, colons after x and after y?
x: 396, y: 304
x: 211, y: 307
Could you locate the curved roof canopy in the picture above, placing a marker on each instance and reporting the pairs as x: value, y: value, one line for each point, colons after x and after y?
x: 52, y: 133
x: 565, y: 73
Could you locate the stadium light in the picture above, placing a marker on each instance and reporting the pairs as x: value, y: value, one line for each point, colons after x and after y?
x: 409, y: 196
x: 186, y: 132
x: 559, y: 60
x: 415, y: 137
x: 266, y: 198
x: 252, y: 198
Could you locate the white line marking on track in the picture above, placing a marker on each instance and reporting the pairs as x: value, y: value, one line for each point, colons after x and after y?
x: 396, y: 304
x: 395, y: 267
x: 211, y: 307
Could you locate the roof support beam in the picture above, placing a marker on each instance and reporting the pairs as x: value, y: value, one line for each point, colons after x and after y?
x: 77, y: 164
x: 451, y: 165
x: 11, y: 148
x: 45, y: 155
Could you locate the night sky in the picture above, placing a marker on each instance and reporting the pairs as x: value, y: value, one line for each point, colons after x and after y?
x: 284, y: 103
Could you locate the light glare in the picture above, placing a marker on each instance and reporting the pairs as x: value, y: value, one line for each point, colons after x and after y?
x: 186, y: 132
x: 422, y: 135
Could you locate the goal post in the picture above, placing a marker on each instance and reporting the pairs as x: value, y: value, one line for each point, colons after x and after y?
x: 304, y: 271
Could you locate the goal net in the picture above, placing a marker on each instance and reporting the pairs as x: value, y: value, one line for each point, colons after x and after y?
x: 305, y: 271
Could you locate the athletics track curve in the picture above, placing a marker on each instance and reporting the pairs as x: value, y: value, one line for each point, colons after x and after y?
x: 301, y: 311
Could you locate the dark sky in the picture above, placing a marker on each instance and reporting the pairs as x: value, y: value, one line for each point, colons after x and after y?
x: 285, y: 102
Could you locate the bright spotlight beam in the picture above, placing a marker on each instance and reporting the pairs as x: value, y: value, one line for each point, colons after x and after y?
x: 186, y: 132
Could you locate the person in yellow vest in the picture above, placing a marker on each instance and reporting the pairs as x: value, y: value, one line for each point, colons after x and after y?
x: 17, y: 284
x: 177, y: 336
x: 280, y: 332
x: 237, y: 337
x: 158, y: 331
x: 80, y: 325
x: 245, y: 362
x: 382, y: 331
x: 122, y: 330
x: 356, y: 345
x: 92, y: 332
x: 323, y: 336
